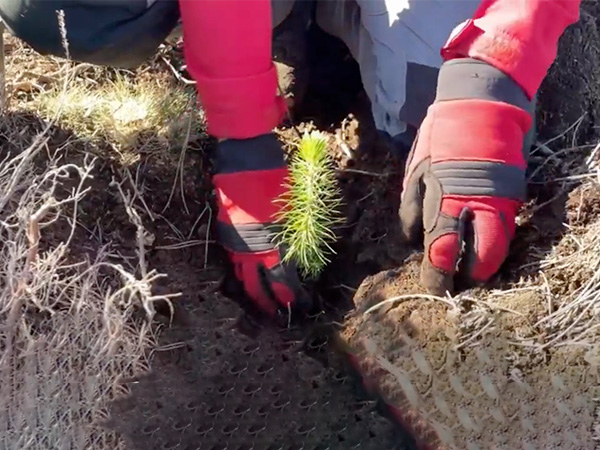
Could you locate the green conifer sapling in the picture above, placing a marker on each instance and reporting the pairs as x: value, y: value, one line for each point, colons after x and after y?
x: 310, y: 207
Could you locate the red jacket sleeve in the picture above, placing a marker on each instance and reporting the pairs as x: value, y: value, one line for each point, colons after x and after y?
x: 227, y: 47
x: 519, y: 37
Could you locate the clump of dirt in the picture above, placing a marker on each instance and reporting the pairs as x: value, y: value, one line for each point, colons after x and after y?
x: 583, y: 206
x: 468, y: 374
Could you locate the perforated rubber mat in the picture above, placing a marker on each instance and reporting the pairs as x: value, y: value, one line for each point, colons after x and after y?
x: 213, y: 387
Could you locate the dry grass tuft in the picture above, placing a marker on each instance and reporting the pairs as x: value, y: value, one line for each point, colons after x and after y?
x: 73, y: 323
x: 129, y: 112
x: 68, y: 328
x: 120, y: 112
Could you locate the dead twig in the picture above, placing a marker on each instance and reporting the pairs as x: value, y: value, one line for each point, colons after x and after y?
x: 176, y: 73
x: 179, y: 172
x: 401, y: 298
x: 365, y: 172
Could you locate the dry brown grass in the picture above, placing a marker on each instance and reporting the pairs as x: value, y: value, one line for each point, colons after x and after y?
x: 72, y: 324
x: 129, y: 112
x: 119, y: 112
x: 67, y: 331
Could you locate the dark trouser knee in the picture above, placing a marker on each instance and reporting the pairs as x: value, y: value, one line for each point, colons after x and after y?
x: 119, y: 34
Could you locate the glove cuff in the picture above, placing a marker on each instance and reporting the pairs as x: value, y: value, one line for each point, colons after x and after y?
x: 250, y: 175
x: 468, y: 78
x: 519, y: 37
x: 245, y: 155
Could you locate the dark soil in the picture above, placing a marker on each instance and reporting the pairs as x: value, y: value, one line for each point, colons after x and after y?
x: 572, y: 89
x: 230, y: 384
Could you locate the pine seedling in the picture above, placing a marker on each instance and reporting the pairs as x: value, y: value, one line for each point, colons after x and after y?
x: 310, y: 206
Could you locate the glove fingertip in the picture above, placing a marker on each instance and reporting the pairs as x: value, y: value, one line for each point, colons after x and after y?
x: 297, y: 299
x: 439, y: 264
x: 264, y: 304
x: 411, y: 220
x: 411, y: 205
x: 411, y: 233
x: 257, y: 294
x: 443, y: 251
x: 436, y: 281
x: 304, y: 302
x: 282, y: 294
x: 490, y: 245
x: 232, y: 287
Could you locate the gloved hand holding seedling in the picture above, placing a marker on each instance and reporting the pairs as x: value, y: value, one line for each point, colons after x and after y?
x: 310, y: 209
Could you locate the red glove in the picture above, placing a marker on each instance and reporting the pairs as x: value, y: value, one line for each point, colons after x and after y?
x: 250, y: 174
x: 465, y: 177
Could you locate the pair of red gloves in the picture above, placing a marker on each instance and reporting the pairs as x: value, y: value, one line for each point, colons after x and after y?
x: 464, y: 179
x: 464, y: 183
